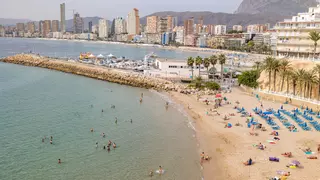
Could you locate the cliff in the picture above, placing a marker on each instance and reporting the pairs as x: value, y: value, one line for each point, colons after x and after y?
x: 278, y: 7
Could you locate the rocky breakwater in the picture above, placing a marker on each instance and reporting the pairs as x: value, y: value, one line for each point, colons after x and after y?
x: 96, y: 72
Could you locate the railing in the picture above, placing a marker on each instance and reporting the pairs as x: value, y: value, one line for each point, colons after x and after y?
x: 313, y: 101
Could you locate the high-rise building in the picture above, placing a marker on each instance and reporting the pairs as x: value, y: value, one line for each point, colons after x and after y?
x: 113, y: 27
x: 174, y: 22
x: 63, y: 17
x: 152, y: 24
x: 46, y: 28
x: 256, y: 28
x: 188, y: 27
x: 77, y: 24
x: 120, y: 25
x: 200, y: 21
x: 237, y: 28
x: 133, y: 22
x: 40, y: 27
x: 103, y: 28
x: 163, y: 25
x: 220, y: 29
x: 90, y: 27
x: 55, y: 26
x: 20, y: 27
x: 31, y: 27
x: 170, y: 23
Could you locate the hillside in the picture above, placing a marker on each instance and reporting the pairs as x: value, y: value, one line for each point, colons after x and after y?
x: 280, y: 7
x: 8, y: 22
x: 221, y: 18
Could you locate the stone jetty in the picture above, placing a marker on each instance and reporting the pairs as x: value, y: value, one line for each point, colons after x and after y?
x: 97, y: 72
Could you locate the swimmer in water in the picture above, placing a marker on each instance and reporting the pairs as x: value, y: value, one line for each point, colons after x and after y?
x: 104, y: 147
x: 160, y: 170
x: 50, y: 141
x: 51, y: 137
x: 59, y: 161
x: 131, y: 120
x: 96, y: 144
x: 109, y: 143
x: 42, y: 139
x: 140, y: 100
x: 103, y: 135
x: 91, y: 129
x: 116, y: 121
x: 114, y: 145
x: 101, y: 110
x: 151, y: 173
x: 108, y: 148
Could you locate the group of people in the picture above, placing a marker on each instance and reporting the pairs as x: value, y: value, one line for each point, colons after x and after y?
x: 204, y: 157
x: 109, y: 145
x: 51, y: 138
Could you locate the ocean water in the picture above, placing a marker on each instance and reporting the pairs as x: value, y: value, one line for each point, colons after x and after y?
x: 72, y: 49
x: 37, y: 102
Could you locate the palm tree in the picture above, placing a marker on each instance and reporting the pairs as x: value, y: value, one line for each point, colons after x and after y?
x: 276, y: 68
x: 268, y: 66
x: 214, y: 61
x: 206, y: 64
x: 316, y: 69
x: 222, y: 60
x: 198, y: 62
x: 310, y: 79
x: 190, y: 63
x: 198, y: 82
x: 285, y: 66
x: 294, y: 77
x: 257, y: 65
x: 301, y: 77
x: 315, y: 37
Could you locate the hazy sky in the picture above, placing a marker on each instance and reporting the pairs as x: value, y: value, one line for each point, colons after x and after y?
x: 50, y: 9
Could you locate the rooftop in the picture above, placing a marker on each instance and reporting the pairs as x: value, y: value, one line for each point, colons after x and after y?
x: 170, y: 60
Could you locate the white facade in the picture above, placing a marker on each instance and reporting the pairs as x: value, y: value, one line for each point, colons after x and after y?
x: 179, y: 35
x: 103, y: 28
x: 220, y: 29
x: 237, y: 28
x: 120, y: 26
x: 133, y: 22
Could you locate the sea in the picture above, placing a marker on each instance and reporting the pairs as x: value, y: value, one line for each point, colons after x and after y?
x: 38, y: 103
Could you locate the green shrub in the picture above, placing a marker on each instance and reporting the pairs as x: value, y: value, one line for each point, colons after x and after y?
x: 212, y: 85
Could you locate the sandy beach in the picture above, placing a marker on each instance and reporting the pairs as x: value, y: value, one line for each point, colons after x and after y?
x: 230, y: 147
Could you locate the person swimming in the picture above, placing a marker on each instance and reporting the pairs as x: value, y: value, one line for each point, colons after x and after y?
x: 151, y: 173
x: 114, y: 145
x: 91, y: 130
x: 101, y: 110
x: 108, y: 148
x: 104, y: 147
x: 131, y: 120
x: 140, y: 100
x: 116, y: 121
x: 109, y: 143
x: 96, y: 144
x: 160, y: 170
x: 50, y: 141
x: 51, y: 137
x: 42, y: 139
x: 59, y: 161
x: 103, y: 135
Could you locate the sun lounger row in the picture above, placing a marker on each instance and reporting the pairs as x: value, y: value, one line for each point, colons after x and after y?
x: 283, y: 120
x: 300, y: 122
x: 268, y: 119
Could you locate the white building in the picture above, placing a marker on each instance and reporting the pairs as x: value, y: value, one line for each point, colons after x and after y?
x: 220, y: 29
x: 179, y: 34
x: 103, y: 28
x: 120, y: 26
x: 133, y: 22
x: 237, y: 28
x: 95, y: 29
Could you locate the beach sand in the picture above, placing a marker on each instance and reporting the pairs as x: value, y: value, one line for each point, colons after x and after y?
x: 230, y: 147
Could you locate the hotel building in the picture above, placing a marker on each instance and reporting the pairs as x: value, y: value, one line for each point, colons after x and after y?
x: 133, y: 22
x: 293, y: 35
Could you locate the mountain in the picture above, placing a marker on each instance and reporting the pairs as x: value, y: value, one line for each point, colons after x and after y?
x: 279, y: 7
x: 221, y: 18
x: 8, y: 22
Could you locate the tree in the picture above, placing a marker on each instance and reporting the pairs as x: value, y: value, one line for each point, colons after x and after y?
x: 198, y: 62
x: 285, y: 66
x: 257, y: 65
x: 190, y: 63
x: 315, y: 37
x: 316, y: 69
x: 222, y: 60
x: 310, y: 80
x: 198, y: 82
x: 301, y: 77
x: 294, y: 75
x: 249, y: 78
x: 276, y: 66
x: 268, y: 67
x: 250, y: 45
x: 214, y: 61
x: 206, y: 64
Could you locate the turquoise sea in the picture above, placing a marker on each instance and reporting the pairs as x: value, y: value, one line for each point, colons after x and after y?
x: 38, y: 102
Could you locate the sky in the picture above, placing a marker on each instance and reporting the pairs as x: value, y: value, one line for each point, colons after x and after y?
x: 50, y: 9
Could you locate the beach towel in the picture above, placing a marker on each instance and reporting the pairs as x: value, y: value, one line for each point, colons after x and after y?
x: 274, y: 159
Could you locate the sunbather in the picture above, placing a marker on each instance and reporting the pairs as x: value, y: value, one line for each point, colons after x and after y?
x: 261, y: 146
x: 312, y: 157
x: 248, y: 163
x: 287, y: 154
x: 307, y: 150
x: 274, y: 133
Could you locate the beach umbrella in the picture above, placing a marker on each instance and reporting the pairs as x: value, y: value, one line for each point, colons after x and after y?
x: 295, y: 162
